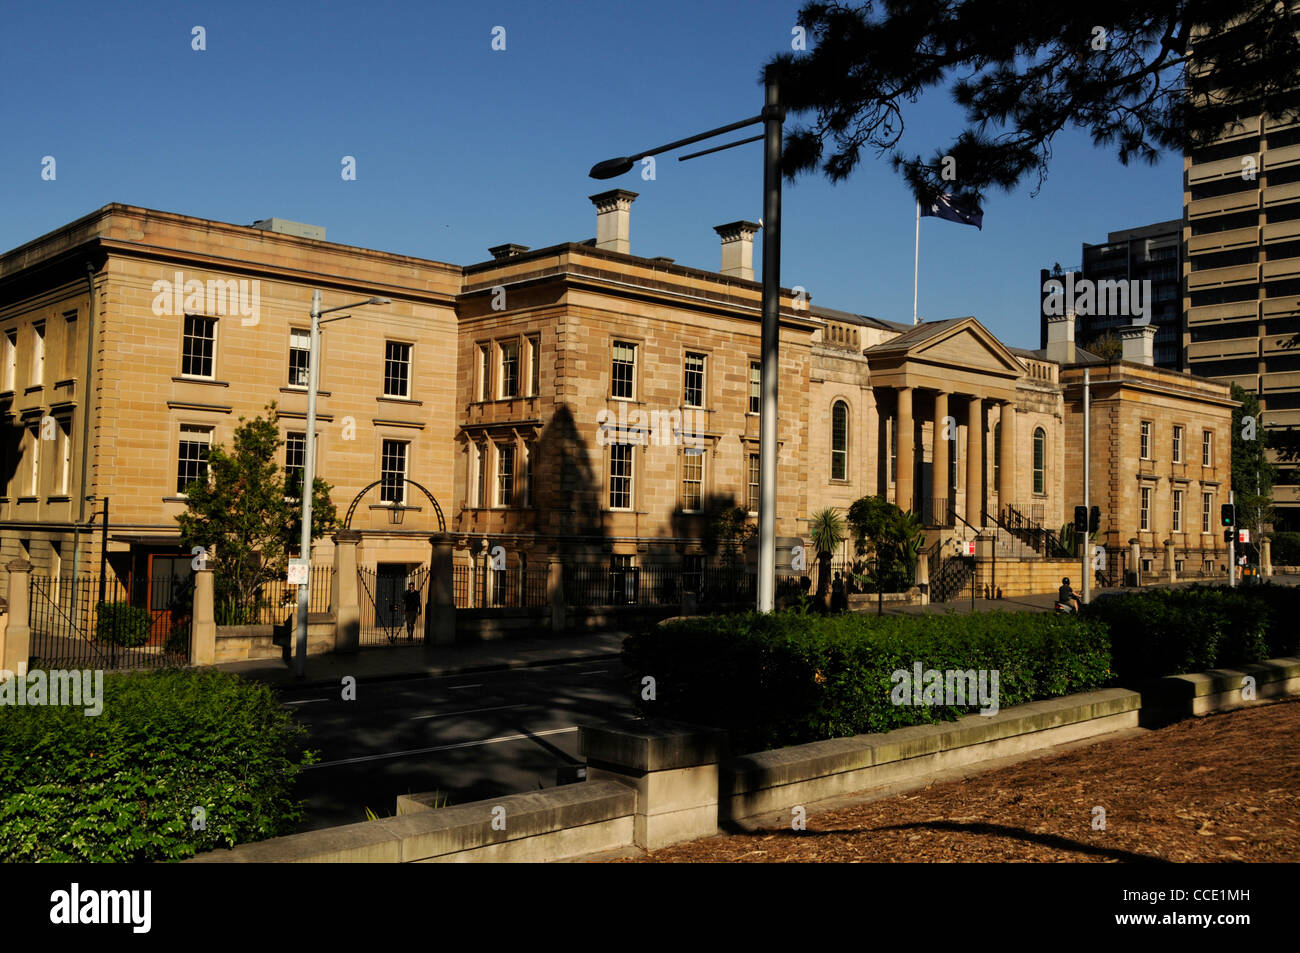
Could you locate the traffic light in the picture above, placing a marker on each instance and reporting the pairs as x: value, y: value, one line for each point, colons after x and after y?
x: 1094, y: 519
x: 1081, y: 519
x: 1228, y: 514
x: 1227, y: 535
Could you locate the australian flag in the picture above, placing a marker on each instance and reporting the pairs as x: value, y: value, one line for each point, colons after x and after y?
x: 948, y: 207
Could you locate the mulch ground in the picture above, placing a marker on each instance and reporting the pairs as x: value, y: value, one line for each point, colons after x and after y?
x: 1221, y: 788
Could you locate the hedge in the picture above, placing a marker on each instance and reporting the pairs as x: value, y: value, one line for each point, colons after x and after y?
x: 1157, y: 632
x: 124, y: 785
x: 788, y: 678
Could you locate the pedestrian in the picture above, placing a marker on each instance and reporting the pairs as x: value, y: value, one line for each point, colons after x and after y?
x: 411, y: 603
x: 839, y: 602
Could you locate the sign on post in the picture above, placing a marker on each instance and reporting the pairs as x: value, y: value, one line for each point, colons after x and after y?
x: 298, y: 573
x: 1243, y: 536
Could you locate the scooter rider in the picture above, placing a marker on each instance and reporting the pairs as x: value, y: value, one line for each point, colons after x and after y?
x: 1066, y: 596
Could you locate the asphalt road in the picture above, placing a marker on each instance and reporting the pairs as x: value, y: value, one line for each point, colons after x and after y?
x: 469, y: 737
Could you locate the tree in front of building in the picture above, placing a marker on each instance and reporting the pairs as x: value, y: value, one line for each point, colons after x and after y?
x: 246, y: 519
x: 887, y: 539
x: 1106, y: 346
x: 1252, y: 472
x: 827, y: 530
x: 729, y: 531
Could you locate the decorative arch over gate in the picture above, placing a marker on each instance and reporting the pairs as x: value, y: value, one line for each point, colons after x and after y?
x: 437, y: 510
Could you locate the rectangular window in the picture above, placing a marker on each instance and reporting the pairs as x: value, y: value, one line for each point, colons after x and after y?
x: 693, y: 383
x: 534, y: 366
x: 11, y: 359
x: 64, y: 486
x: 1178, y: 511
x: 1207, y: 448
x: 505, y: 474
x: 38, y: 353
x: 1207, y: 509
x: 755, y: 387
x: 192, y: 458
x: 528, y: 475
x: 485, y: 372
x: 397, y: 369
x: 622, y: 372
x: 70, y: 344
x: 752, y: 496
x: 295, y: 460
x: 509, y: 369
x: 392, y: 471
x: 480, y: 476
x: 1145, y: 445
x: 299, y: 357
x: 1178, y: 444
x: 1145, y: 519
x: 199, y: 347
x: 620, y: 476
x: 692, y: 479
x: 692, y: 572
x: 34, y: 467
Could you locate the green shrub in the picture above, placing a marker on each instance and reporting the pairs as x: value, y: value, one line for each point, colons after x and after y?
x: 124, y: 785
x: 788, y: 678
x: 120, y: 623
x: 1158, y: 632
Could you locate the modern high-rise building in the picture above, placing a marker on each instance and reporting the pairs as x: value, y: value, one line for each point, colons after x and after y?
x: 1147, y: 253
x: 1242, y: 235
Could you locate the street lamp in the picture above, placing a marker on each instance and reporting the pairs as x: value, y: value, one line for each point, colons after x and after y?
x: 772, y: 118
x: 309, y: 468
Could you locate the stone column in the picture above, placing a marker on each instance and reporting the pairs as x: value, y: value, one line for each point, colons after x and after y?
x: 940, y: 488
x: 1171, y: 573
x: 904, y: 428
x: 440, y: 607
x: 1135, y: 560
x: 17, y: 636
x: 203, y: 630
x: 1007, y: 463
x: 1265, y: 556
x: 555, y: 592
x: 975, y: 462
x: 923, y: 578
x: 345, y: 595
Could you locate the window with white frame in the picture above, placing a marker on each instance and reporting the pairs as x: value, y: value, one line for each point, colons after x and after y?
x: 509, y: 369
x: 11, y: 359
x: 622, y: 371
x: 192, y: 456
x: 199, y: 346
x: 1144, y: 521
x: 34, y: 462
x: 755, y: 387
x: 392, y: 471
x: 397, y: 369
x: 485, y: 372
x: 693, y: 380
x: 620, y: 476
x: 840, y: 441
x: 1144, y: 443
x: 295, y: 463
x: 505, y: 474
x: 38, y: 353
x: 1178, y: 511
x: 527, y: 475
x: 1178, y: 444
x: 299, y: 357
x: 64, y: 485
x: 692, y: 479
x: 480, y: 475
x: 1207, y: 510
x: 1040, y: 460
x: 534, y: 366
x: 754, y: 471
x: 1207, y: 448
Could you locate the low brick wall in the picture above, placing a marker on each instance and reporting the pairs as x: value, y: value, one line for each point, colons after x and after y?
x: 1026, y: 577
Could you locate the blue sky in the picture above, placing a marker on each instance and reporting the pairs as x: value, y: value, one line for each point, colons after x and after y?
x: 459, y: 147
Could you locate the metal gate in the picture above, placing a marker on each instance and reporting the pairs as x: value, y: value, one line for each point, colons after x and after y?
x: 383, y: 613
x: 73, y: 627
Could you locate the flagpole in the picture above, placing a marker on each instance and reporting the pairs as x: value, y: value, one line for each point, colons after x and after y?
x: 916, y: 259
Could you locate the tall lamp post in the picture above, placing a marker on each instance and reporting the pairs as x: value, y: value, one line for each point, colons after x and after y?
x: 772, y: 117
x: 309, y: 468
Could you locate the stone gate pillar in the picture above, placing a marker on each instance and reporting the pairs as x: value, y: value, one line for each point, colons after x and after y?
x: 18, y: 636
x: 345, y: 597
x: 555, y: 592
x: 1171, y: 574
x: 1265, y: 556
x: 440, y: 610
x: 1135, y: 560
x: 203, y: 628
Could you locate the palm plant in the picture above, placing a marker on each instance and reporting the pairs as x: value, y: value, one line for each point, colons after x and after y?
x: 827, y: 533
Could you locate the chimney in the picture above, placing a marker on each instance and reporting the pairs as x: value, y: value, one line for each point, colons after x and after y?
x: 508, y: 250
x: 738, y: 249
x: 1139, y: 343
x: 613, y: 216
x: 1060, y: 338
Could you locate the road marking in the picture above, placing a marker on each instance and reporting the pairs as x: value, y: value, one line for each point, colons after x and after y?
x: 453, y: 688
x: 594, y: 671
x: 308, y: 701
x: 463, y: 744
x: 474, y: 711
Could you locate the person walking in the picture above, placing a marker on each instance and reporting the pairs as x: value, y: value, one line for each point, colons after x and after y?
x: 411, y: 605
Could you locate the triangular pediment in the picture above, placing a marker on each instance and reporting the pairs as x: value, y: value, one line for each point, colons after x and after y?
x: 961, y: 344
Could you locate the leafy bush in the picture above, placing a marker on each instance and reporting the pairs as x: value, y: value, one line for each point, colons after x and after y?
x: 120, y: 623
x: 1158, y: 632
x: 788, y: 678
x: 124, y: 785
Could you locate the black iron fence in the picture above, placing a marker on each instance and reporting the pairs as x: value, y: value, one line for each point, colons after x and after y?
x: 273, y: 601
x: 146, y: 625
x: 385, y: 607
x: 938, y: 512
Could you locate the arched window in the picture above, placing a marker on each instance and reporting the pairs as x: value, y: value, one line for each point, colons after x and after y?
x: 1040, y: 460
x: 840, y: 441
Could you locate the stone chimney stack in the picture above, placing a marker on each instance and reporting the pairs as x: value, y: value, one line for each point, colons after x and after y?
x: 613, y: 219
x: 1060, y: 338
x: 738, y: 249
x: 1139, y: 343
